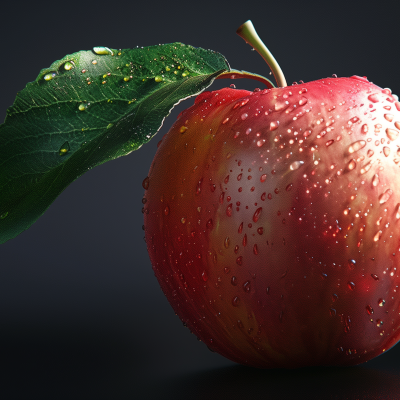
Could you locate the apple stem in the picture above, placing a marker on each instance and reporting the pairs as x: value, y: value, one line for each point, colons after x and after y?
x: 249, y: 34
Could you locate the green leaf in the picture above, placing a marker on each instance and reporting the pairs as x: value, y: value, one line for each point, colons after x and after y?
x: 86, y: 109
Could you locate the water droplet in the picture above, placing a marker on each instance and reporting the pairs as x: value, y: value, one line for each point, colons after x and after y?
x: 244, y: 116
x: 166, y: 210
x: 244, y: 240
x: 4, y: 215
x: 351, y: 285
x: 183, y: 220
x: 351, y: 165
x: 384, y: 197
x: 303, y: 101
x: 102, y: 50
x: 351, y: 264
x: 329, y: 142
x: 64, y: 149
x: 239, y: 260
x: 234, y: 281
x: 94, y: 62
x: 377, y: 236
x: 49, y: 77
x: 240, y: 229
x: 386, y: 151
x: 364, y: 128
x: 247, y: 286
x: 226, y: 242
x: 158, y: 78
x: 225, y: 121
x: 375, y: 180
x: 375, y: 277
x: 273, y: 125
x: 255, y: 249
x: 381, y: 302
x: 397, y: 124
x: 209, y: 224
x: 235, y: 301
x: 296, y: 165
x: 373, y: 98
x: 229, y: 210
x: 389, y: 117
x: 82, y: 107
x: 392, y: 133
x: 357, y: 146
x: 204, y: 276
x: 263, y: 177
x: 257, y: 214
x: 68, y: 66
x: 369, y: 309
x: 398, y: 211
x: 289, y: 187
x: 260, y: 230
x: 281, y: 105
x: 145, y: 183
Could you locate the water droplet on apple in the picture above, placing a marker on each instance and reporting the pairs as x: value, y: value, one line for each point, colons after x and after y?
x: 226, y: 242
x: 145, y: 183
x: 364, y: 128
x: 356, y: 146
x: 209, y: 224
x: 255, y: 249
x: 329, y: 142
x: 166, y: 210
x: 375, y: 180
x: 375, y: 277
x: 204, y: 276
x: 351, y: 264
x: 281, y: 105
x: 392, y: 134
x: 235, y: 301
x: 351, y: 165
x: 239, y: 260
x: 263, y: 177
x: 289, y: 187
x: 244, y: 116
x: 257, y: 214
x: 384, y: 197
x: 374, y: 98
x: 369, y: 309
x: 247, y: 286
x: 273, y: 125
x: 389, y: 117
x: 229, y: 210
x: 351, y: 285
x: 234, y: 281
x: 398, y: 211
x: 377, y: 236
x: 296, y: 165
x: 381, y: 302
x: 386, y: 151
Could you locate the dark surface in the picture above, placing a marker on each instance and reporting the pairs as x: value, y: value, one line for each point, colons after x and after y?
x: 82, y: 315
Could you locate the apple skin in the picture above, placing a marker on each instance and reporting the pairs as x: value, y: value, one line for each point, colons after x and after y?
x: 272, y: 222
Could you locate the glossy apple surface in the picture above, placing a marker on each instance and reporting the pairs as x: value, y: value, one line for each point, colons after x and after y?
x: 272, y: 222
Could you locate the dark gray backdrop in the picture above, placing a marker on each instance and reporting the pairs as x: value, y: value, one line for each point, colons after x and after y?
x: 81, y: 313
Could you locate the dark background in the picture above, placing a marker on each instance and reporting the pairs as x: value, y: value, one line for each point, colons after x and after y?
x: 81, y: 313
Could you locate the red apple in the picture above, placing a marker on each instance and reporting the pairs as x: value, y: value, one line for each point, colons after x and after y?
x: 272, y: 222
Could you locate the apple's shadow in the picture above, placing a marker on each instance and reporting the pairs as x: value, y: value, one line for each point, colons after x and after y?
x: 95, y: 363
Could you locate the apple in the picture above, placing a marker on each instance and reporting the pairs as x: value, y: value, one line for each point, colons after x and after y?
x: 272, y: 222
